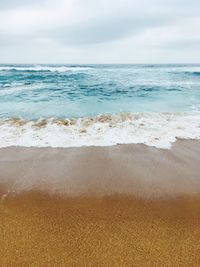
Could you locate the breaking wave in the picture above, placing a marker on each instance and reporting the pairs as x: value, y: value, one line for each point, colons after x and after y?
x: 40, y: 68
x: 152, y: 129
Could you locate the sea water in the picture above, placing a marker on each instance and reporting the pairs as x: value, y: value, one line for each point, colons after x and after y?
x: 83, y: 105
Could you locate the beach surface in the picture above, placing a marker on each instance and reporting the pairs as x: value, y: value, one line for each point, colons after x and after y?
x: 126, y: 205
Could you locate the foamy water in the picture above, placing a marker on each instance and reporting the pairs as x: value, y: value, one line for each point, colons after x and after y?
x: 41, y: 68
x: 158, y: 129
x: 62, y: 105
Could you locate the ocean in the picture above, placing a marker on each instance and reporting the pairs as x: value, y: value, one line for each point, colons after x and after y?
x: 98, y: 105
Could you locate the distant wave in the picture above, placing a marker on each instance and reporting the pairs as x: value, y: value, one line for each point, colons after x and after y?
x: 152, y: 129
x: 41, y: 68
x: 185, y: 70
x: 193, y: 72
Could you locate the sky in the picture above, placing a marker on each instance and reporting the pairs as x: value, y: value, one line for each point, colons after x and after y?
x: 99, y: 31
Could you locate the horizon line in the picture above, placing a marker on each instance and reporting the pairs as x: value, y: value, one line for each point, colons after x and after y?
x: 40, y: 63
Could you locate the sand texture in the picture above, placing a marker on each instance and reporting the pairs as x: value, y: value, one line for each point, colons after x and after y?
x: 126, y: 205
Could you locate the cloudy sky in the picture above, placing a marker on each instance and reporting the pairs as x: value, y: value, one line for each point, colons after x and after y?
x: 99, y: 31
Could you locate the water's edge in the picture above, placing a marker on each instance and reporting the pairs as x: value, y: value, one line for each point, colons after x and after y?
x: 153, y: 129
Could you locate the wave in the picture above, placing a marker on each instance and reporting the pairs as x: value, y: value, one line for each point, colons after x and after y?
x: 193, y: 72
x: 152, y: 129
x: 40, y: 68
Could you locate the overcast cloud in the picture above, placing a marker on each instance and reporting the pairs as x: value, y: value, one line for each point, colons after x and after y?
x: 94, y: 31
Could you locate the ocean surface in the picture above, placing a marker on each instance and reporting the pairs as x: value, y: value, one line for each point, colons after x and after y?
x: 81, y: 105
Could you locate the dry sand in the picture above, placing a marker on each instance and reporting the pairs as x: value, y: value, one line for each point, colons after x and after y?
x: 127, y: 205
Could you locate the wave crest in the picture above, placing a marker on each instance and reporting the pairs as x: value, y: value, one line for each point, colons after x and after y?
x: 153, y: 129
x: 40, y: 68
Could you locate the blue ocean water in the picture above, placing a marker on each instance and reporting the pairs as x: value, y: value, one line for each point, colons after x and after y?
x: 35, y: 91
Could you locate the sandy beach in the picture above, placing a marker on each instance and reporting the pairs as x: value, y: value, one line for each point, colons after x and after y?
x: 126, y: 205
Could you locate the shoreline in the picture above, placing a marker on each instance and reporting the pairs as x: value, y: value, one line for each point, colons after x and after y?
x: 123, y: 169
x: 159, y: 130
x: 127, y: 205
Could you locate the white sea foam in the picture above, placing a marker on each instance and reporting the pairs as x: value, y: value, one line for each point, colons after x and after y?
x: 44, y: 68
x: 153, y: 129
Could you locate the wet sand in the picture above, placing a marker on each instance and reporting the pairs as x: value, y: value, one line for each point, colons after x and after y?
x: 127, y: 205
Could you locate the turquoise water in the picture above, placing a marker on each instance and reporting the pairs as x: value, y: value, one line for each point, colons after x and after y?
x: 35, y: 91
x: 98, y: 105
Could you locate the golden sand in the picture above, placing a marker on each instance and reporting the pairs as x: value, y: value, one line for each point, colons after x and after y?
x: 42, y: 230
x: 128, y: 205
